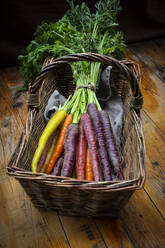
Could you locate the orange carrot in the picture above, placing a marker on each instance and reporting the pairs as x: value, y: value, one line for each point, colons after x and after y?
x: 88, y: 167
x: 60, y: 144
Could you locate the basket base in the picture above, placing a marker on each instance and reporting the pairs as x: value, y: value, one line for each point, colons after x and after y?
x: 75, y: 214
x: 82, y: 203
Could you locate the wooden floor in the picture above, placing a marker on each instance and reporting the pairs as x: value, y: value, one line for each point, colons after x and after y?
x: 141, y: 223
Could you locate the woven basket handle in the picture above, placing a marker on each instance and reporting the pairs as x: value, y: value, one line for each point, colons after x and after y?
x: 128, y: 68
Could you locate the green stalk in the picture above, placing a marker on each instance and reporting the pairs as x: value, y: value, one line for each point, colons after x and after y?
x: 76, y: 117
x: 83, y: 102
x: 96, y: 102
x: 73, y: 99
x: 64, y: 107
x: 90, y: 96
x: 76, y: 103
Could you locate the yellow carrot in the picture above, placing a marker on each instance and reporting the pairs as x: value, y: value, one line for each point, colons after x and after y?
x: 49, y: 129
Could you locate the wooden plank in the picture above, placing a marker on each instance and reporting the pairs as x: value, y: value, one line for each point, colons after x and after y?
x: 21, y: 224
x: 145, y: 226
x: 113, y: 233
x: 157, y: 54
x: 153, y: 91
x: 17, y: 222
x: 11, y: 123
x: 12, y: 77
x: 153, y: 123
x: 24, y: 224
x: 82, y: 232
x: 55, y: 229
x: 155, y: 166
x: 152, y: 56
x: 140, y: 213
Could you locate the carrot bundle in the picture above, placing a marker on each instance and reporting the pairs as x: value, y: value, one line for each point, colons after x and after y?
x: 85, y: 142
x: 75, y: 35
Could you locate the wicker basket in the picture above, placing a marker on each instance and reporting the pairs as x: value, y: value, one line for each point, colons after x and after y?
x: 67, y: 195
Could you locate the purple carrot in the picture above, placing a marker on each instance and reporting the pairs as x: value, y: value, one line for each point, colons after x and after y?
x: 70, y: 149
x: 81, y: 154
x: 58, y: 166
x: 45, y: 151
x: 90, y: 136
x: 111, y: 144
x: 100, y: 140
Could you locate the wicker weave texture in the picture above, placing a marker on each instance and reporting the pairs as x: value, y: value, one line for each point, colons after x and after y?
x: 67, y: 195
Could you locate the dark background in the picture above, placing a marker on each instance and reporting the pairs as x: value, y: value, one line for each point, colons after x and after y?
x: 140, y: 20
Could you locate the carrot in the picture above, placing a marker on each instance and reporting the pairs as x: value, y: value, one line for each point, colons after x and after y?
x: 58, y: 166
x: 90, y: 136
x: 49, y: 129
x: 50, y: 151
x: 60, y: 144
x: 100, y: 140
x: 70, y: 148
x: 45, y: 151
x: 88, y: 167
x: 111, y: 145
x: 81, y: 154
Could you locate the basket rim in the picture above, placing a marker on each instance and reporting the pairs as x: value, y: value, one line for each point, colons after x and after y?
x: 102, y: 186
x: 129, y: 68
